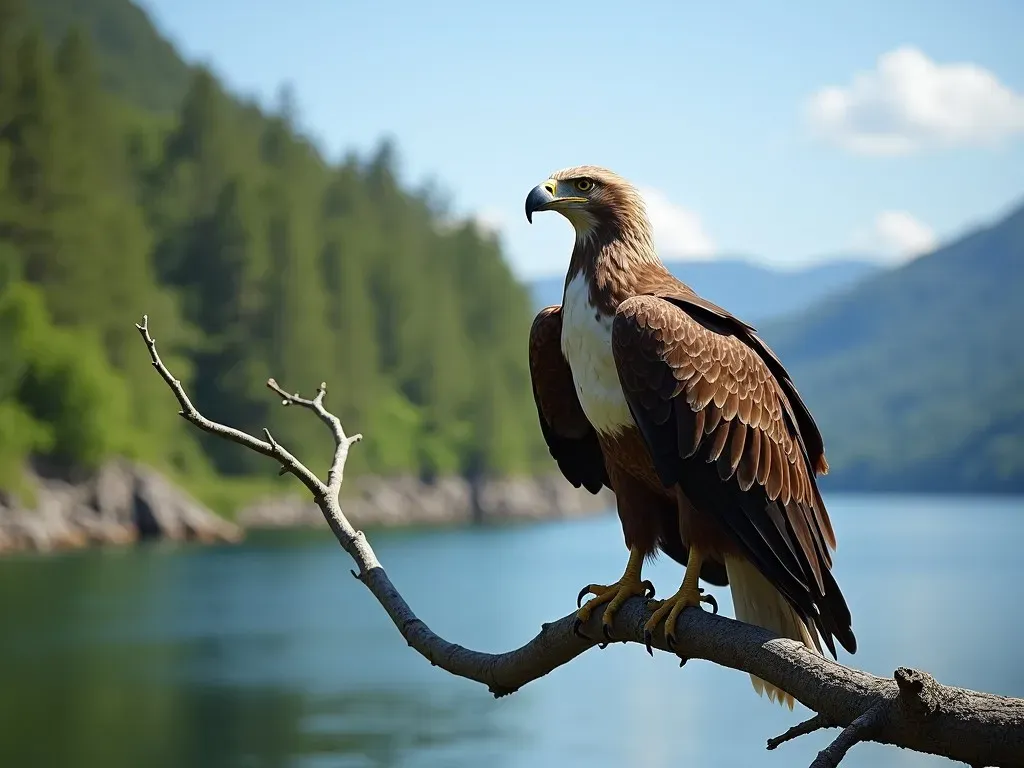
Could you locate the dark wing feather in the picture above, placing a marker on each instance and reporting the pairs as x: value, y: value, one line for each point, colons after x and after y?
x: 720, y: 422
x: 571, y: 439
x: 715, y: 318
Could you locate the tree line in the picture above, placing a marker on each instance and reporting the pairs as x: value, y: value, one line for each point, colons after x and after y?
x: 255, y: 257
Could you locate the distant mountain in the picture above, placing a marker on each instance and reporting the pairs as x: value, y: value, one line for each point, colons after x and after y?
x: 751, y: 291
x: 916, y: 375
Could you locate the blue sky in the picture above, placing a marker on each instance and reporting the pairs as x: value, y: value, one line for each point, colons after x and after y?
x: 717, y: 110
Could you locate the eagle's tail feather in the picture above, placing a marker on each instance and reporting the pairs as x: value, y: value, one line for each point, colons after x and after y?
x: 757, y: 602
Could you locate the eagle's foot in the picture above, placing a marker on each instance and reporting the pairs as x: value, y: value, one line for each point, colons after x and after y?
x: 668, y: 611
x: 615, y: 596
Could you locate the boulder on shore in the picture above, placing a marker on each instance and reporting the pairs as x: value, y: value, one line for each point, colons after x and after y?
x: 121, y: 503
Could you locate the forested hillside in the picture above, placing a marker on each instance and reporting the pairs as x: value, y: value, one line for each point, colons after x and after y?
x: 915, y: 375
x: 253, y: 258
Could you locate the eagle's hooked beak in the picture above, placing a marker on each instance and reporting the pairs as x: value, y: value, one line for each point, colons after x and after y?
x: 545, y: 197
x: 541, y: 198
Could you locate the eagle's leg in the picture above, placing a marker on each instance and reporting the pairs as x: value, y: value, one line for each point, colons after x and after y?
x: 689, y: 594
x: 615, y: 595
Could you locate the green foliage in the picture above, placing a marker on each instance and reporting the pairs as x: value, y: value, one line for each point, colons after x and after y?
x: 134, y: 61
x: 283, y: 265
x: 60, y: 393
x: 21, y: 434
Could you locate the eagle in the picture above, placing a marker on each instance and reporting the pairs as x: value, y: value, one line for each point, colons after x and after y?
x: 685, y: 414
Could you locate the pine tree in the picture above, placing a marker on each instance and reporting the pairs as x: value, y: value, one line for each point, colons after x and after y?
x: 299, y: 348
x: 199, y: 156
x: 230, y: 275
x: 348, y: 247
x: 36, y: 167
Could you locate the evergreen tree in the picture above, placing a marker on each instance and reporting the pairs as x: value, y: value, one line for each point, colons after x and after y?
x: 345, y: 264
x: 36, y: 176
x: 230, y: 269
x: 299, y: 345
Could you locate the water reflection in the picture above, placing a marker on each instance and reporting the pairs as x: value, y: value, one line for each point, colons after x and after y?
x: 271, y: 654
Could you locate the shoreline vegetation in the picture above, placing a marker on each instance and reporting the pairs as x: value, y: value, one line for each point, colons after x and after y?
x: 124, y: 503
x: 256, y: 254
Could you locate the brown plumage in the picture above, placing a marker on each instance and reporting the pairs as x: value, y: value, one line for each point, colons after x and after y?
x: 686, y: 414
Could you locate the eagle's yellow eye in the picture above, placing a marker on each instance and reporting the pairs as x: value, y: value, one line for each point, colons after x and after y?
x: 584, y: 185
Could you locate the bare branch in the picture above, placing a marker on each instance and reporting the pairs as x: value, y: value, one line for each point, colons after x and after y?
x: 816, y: 723
x: 859, y: 730
x: 336, y: 474
x: 912, y: 711
x: 191, y: 414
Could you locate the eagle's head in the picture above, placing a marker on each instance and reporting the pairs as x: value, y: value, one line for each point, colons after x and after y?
x: 595, y: 200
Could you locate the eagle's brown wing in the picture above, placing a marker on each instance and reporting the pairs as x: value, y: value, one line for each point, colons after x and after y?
x: 717, y: 319
x: 723, y: 420
x: 571, y: 439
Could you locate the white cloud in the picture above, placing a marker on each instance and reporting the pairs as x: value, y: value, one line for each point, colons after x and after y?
x: 678, y: 231
x: 910, y: 103
x: 897, y: 235
x: 487, y: 220
x: 491, y: 220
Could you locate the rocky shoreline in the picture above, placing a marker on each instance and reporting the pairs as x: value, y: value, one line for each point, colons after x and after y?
x: 372, y: 502
x: 124, y: 503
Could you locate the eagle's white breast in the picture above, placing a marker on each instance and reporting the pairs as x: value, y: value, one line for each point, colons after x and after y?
x: 587, y: 345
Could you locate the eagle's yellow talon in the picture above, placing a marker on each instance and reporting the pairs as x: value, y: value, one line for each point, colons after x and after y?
x: 615, y: 595
x: 689, y: 594
x: 671, y: 608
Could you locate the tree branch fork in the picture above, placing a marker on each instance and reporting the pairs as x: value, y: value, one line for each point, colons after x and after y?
x: 912, y: 710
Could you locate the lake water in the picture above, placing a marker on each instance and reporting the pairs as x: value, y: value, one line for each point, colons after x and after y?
x: 271, y: 654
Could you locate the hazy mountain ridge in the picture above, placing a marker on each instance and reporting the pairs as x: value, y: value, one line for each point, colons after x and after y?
x: 915, y: 374
x: 752, y: 291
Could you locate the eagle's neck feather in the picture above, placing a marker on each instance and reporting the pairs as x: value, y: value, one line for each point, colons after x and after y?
x: 615, y: 257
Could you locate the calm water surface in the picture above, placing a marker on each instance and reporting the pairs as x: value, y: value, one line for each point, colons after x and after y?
x: 271, y: 654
